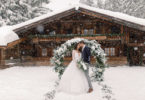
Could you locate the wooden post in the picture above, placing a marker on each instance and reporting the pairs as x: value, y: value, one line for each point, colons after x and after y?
x: 18, y: 50
x: 61, y: 29
x: 95, y: 29
x: 74, y: 29
x: 78, y: 29
x: 82, y: 30
x: 103, y: 29
x: 2, y: 57
x: 122, y: 29
x: 122, y: 37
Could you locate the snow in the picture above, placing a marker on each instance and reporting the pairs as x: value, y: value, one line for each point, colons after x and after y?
x: 32, y: 83
x: 57, y: 4
x: 7, y: 35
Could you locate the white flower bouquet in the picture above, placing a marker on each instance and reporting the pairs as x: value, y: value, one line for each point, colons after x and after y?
x: 82, y: 65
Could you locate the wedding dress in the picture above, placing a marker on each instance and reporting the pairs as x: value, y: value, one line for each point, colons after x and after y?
x: 73, y: 80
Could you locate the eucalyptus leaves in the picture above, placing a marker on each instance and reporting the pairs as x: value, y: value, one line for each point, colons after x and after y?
x: 96, y: 51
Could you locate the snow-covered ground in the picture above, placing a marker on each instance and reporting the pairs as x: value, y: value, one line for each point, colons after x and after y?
x: 31, y: 83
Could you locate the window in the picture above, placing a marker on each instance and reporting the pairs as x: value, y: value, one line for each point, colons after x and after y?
x: 110, y: 51
x: 91, y: 31
x: 88, y: 31
x: 107, y: 51
x: 115, y: 30
x: 69, y: 31
x: 44, y: 52
x: 85, y: 31
x: 52, y: 33
x: 68, y: 54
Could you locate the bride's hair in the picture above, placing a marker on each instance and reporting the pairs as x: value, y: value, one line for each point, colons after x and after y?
x: 75, y: 47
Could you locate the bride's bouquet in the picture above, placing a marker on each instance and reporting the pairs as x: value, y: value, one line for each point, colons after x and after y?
x: 81, y: 64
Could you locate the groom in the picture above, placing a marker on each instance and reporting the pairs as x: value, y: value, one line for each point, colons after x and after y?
x: 86, y: 53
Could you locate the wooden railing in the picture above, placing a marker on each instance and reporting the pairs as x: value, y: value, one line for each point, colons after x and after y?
x: 64, y: 37
x: 71, y: 35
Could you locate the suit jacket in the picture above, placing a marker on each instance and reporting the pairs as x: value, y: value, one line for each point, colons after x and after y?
x: 86, y: 53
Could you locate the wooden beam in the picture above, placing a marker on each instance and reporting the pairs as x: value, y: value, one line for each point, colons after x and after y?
x: 2, y: 47
x: 96, y: 15
x: 10, y: 45
x: 79, y: 21
x: 95, y: 38
x: 35, y: 40
x: 136, y: 44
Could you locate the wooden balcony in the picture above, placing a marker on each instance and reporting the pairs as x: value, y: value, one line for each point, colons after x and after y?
x: 65, y: 37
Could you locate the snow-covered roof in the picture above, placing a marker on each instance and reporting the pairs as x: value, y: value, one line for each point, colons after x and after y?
x: 116, y: 15
x: 7, y: 35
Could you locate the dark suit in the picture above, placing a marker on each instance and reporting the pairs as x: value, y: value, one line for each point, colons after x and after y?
x: 86, y: 53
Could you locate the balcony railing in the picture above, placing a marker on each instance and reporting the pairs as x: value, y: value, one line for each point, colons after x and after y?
x: 70, y: 35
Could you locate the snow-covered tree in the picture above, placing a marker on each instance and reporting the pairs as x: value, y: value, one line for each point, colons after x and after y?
x: 130, y: 7
x: 17, y: 11
x: 95, y: 3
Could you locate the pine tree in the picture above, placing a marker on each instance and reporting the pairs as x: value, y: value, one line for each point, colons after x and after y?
x: 131, y: 7
x: 17, y: 11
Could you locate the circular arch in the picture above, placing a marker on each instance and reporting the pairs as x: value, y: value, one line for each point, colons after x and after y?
x: 96, y: 51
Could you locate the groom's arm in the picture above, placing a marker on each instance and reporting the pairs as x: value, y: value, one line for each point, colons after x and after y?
x: 87, y: 54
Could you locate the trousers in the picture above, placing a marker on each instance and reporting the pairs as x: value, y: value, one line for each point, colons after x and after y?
x: 87, y: 76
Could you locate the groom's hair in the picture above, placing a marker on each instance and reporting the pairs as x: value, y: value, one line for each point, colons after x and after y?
x: 82, y: 42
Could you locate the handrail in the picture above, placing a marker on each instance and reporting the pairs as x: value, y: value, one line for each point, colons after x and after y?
x: 70, y: 35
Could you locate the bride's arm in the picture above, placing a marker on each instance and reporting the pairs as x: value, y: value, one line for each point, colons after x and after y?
x: 73, y: 55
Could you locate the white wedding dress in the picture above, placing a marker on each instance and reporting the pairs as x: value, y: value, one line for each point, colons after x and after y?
x: 73, y: 80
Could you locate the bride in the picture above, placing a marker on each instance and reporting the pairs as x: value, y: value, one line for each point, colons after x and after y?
x: 73, y: 79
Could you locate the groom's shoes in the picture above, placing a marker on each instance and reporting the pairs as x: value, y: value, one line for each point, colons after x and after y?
x: 90, y: 90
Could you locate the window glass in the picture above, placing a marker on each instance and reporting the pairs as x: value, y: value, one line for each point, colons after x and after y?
x: 110, y: 51
x: 44, y: 52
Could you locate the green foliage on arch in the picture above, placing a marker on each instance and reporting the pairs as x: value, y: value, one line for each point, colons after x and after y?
x: 96, y: 51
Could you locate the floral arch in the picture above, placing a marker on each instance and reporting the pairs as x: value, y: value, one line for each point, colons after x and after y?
x: 96, y: 51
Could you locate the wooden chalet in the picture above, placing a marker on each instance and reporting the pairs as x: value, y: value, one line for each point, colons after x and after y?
x: 123, y: 40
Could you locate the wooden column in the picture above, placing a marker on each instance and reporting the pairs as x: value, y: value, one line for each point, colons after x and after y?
x: 74, y: 29
x: 127, y: 37
x: 95, y: 29
x: 82, y: 30
x: 122, y: 31
x: 78, y: 29
x: 2, y: 57
x: 61, y: 29
x: 18, y: 50
x: 103, y: 29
